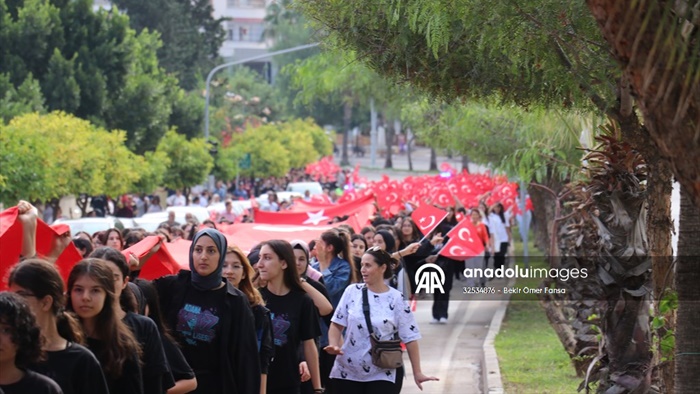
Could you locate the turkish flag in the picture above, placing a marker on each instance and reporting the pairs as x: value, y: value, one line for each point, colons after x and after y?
x: 10, y: 243
x: 46, y: 237
x: 427, y: 217
x: 464, y: 241
x: 161, y: 263
x: 247, y: 235
x: 11, y: 239
x: 319, y: 217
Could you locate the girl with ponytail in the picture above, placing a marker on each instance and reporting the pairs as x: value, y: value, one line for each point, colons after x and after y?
x: 72, y: 366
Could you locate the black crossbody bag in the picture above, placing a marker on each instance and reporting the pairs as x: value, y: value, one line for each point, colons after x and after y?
x: 385, y: 354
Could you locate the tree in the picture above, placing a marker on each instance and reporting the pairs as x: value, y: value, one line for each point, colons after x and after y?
x: 54, y: 155
x: 327, y: 74
x: 24, y: 99
x: 91, y: 64
x: 543, y: 52
x: 190, y: 161
x: 687, y: 345
x: 191, y: 36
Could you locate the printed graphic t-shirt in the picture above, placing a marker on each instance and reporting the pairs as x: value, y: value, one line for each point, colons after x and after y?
x: 389, y: 315
x: 294, y: 319
x: 198, y: 330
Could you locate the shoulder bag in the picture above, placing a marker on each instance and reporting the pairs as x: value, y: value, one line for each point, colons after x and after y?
x: 385, y: 354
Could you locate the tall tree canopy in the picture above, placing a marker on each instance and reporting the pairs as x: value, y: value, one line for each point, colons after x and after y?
x: 191, y: 36
x: 90, y: 64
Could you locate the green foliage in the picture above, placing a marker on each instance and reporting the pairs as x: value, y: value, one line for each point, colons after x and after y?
x: 191, y: 36
x: 24, y: 99
x: 190, y: 161
x: 276, y: 147
x: 90, y: 64
x: 152, y: 174
x: 50, y: 156
x: 543, y: 51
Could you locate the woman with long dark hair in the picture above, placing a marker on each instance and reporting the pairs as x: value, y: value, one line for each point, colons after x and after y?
x: 212, y: 320
x: 238, y: 271
x: 183, y: 375
x: 68, y: 363
x: 156, y: 372
x: 293, y: 317
x: 91, y: 296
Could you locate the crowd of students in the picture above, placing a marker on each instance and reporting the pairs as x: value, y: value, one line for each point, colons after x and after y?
x: 297, y: 306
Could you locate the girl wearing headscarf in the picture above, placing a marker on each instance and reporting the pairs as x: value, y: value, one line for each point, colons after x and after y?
x: 212, y: 320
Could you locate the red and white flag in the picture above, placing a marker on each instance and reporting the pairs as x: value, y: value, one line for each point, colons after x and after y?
x: 319, y: 217
x: 427, y: 217
x: 464, y: 241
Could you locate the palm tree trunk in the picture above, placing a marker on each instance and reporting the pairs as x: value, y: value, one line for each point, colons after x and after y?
x: 687, y: 357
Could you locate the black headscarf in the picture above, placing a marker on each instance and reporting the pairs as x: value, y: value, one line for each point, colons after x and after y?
x: 213, y: 280
x: 388, y: 240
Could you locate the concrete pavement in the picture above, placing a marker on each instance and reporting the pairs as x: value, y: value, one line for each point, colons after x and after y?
x: 454, y: 352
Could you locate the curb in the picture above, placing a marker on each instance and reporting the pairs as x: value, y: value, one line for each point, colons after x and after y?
x: 493, y: 384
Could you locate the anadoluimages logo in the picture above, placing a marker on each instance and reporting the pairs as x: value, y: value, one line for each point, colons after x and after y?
x: 430, y: 280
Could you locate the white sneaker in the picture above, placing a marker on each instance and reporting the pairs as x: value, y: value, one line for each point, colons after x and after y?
x: 435, y: 321
x: 443, y: 320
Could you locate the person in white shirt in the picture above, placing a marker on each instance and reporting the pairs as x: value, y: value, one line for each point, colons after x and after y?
x: 498, y: 230
x: 390, y: 317
x: 177, y: 199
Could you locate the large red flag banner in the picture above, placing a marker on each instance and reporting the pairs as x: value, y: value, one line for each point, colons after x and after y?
x: 318, y: 217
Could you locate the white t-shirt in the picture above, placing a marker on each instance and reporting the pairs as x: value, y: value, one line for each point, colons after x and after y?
x: 389, y: 314
x: 497, y: 229
x: 176, y: 201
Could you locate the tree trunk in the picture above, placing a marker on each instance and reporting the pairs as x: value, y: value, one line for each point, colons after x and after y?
x: 433, y: 160
x: 347, y: 118
x: 409, y: 143
x: 562, y: 327
x: 465, y: 163
x: 82, y: 201
x: 687, y: 356
x: 663, y: 79
x: 659, y: 225
x: 389, y: 140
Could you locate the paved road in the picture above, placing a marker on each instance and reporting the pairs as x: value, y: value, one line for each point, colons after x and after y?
x: 453, y: 352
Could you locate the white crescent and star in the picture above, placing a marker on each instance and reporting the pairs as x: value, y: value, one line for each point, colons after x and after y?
x: 315, y: 218
x: 432, y: 222
x: 469, y: 234
x: 457, y: 251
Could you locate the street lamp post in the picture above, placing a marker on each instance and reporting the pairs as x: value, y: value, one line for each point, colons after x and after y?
x: 237, y: 62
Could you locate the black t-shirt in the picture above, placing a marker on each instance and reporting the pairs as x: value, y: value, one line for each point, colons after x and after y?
x: 263, y: 332
x: 156, y: 373
x: 179, y: 367
x: 33, y: 383
x: 198, y: 330
x: 75, y: 369
x: 131, y: 379
x: 294, y: 319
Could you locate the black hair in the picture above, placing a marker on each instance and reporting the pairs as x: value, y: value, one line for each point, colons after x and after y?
x: 42, y: 279
x: 83, y: 244
x: 127, y: 299
x: 382, y: 257
x: 133, y: 238
x: 284, y: 252
x: 254, y: 254
x: 25, y: 333
x: 150, y: 295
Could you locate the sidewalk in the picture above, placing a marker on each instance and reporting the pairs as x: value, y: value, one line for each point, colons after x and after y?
x: 454, y: 352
